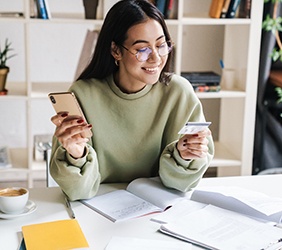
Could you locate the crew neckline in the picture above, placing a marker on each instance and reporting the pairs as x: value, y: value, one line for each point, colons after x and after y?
x: 123, y: 95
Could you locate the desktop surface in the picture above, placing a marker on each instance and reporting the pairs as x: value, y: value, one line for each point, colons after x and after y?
x: 98, y: 230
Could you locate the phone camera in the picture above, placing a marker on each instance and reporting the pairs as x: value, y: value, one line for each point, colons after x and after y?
x: 52, y: 98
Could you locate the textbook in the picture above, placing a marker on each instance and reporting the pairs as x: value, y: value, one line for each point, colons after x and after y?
x: 142, y: 196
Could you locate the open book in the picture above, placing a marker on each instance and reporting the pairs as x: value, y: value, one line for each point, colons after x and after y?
x: 142, y: 196
x: 244, y: 201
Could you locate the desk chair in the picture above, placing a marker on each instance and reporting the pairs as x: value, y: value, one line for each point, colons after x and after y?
x: 49, y: 179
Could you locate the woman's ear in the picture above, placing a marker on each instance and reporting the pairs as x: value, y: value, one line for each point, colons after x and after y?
x: 115, y: 51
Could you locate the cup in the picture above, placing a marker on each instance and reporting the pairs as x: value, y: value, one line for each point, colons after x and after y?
x: 13, y: 200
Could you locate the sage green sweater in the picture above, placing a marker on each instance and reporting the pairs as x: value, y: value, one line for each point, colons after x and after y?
x: 134, y: 135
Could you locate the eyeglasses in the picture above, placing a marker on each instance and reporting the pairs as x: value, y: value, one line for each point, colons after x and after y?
x: 143, y: 54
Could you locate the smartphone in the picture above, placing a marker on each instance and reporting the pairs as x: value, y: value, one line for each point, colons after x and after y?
x: 67, y: 102
x: 193, y: 127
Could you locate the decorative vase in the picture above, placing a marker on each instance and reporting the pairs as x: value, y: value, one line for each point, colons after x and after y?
x: 90, y: 8
x: 3, y: 77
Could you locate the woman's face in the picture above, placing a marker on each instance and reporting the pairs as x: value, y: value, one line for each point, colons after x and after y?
x: 133, y: 75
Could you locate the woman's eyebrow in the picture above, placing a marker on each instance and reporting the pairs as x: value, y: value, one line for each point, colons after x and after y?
x: 144, y: 41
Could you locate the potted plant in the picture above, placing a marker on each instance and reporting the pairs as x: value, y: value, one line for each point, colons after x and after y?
x: 4, y: 69
x: 274, y: 24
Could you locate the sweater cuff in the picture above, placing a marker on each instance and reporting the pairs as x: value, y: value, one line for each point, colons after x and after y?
x: 80, y: 161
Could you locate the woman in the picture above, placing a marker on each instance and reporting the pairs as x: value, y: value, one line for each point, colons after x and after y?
x: 135, y: 109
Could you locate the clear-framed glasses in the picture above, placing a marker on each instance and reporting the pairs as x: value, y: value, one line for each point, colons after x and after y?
x: 143, y: 54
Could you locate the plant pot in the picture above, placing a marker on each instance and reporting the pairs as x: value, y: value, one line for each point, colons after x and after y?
x: 3, y: 77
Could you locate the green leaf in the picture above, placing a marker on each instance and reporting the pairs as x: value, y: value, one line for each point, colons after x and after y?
x: 279, y: 92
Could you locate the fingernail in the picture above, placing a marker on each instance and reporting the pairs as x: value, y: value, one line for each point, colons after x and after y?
x: 89, y: 126
x: 80, y: 121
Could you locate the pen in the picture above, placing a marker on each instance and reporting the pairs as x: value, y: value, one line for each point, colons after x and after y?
x: 69, y: 208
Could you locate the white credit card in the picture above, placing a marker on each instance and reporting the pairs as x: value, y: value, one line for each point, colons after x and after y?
x: 193, y: 127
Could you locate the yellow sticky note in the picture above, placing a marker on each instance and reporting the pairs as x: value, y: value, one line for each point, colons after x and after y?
x: 61, y: 234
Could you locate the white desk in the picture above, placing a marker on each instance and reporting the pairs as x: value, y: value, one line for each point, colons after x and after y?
x: 99, y: 230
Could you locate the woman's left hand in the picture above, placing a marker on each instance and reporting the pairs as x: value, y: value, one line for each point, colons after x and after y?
x: 193, y: 146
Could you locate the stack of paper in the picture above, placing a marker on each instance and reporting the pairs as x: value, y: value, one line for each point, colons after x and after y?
x: 217, y: 228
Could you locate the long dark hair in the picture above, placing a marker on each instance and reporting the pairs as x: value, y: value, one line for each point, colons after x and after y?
x: 119, y: 19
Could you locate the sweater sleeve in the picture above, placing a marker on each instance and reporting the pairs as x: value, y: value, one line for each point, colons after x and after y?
x: 174, y: 171
x: 181, y: 174
x: 78, y: 179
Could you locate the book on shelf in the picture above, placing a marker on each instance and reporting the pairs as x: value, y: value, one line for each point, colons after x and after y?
x: 216, y: 8
x: 142, y: 196
x: 61, y: 234
x: 201, y: 76
x: 169, y: 8
x: 203, y: 81
x: 43, y: 9
x: 225, y: 8
x: 232, y: 9
x: 245, y: 9
x: 161, y: 5
x: 206, y: 88
x: 172, y: 12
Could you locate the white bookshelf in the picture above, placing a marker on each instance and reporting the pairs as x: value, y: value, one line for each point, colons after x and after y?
x: 47, y: 56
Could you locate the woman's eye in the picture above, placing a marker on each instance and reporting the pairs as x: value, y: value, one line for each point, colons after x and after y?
x: 143, y: 50
x: 162, y: 45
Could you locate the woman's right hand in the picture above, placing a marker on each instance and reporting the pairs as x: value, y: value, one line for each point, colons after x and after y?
x: 69, y: 133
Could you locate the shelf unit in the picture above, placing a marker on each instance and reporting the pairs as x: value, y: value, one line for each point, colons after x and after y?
x: 47, y: 56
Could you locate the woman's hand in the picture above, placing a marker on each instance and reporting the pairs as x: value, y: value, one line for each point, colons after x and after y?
x: 192, y: 146
x: 69, y: 133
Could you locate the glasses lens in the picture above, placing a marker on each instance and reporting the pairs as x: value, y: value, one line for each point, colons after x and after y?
x: 143, y: 54
x: 165, y: 48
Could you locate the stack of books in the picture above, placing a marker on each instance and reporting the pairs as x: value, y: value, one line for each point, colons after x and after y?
x: 230, y: 8
x: 203, y: 81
